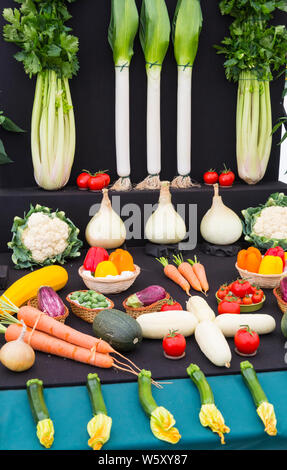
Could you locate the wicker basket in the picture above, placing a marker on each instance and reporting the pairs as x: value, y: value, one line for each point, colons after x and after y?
x: 87, y: 314
x: 265, y: 281
x: 136, y: 312
x: 281, y: 303
x: 109, y: 286
x: 34, y: 303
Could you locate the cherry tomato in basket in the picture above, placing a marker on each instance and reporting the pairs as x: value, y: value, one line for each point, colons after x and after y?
x: 210, y: 177
x: 170, y: 305
x: 240, y: 288
x: 228, y: 306
x: 247, y: 300
x: 246, y: 340
x: 257, y: 296
x: 222, y: 292
x: 174, y: 344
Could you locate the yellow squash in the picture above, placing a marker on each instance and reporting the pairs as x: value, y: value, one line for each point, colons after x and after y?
x: 27, y: 286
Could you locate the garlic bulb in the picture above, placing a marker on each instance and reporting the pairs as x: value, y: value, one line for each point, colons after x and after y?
x: 106, y: 229
x: 165, y: 225
x: 220, y: 225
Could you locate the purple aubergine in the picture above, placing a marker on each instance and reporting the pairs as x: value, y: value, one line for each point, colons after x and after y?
x: 146, y: 297
x: 49, y: 302
x: 283, y: 288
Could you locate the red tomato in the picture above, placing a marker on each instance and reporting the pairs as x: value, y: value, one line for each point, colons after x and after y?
x: 171, y: 305
x: 98, y: 181
x: 247, y: 300
x: 226, y: 177
x: 246, y: 340
x: 228, y: 306
x: 174, y: 344
x: 210, y: 177
x: 83, y: 180
x: 257, y: 296
x: 240, y: 288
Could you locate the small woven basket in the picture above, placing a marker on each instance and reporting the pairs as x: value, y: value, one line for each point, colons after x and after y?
x: 109, y: 286
x: 136, y: 312
x: 265, y: 281
x: 34, y: 303
x: 281, y: 303
x: 87, y: 314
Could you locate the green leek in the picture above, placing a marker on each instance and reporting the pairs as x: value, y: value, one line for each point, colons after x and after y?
x: 154, y: 37
x: 49, y: 52
x: 122, y: 30
x: 187, y: 26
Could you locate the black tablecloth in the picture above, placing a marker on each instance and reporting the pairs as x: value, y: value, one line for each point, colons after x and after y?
x: 58, y: 371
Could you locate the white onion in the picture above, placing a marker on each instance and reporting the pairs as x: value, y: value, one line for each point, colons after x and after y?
x: 165, y: 225
x: 17, y: 355
x: 106, y: 229
x: 220, y: 225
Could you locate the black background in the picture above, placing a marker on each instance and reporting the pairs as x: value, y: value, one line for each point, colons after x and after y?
x: 213, y: 101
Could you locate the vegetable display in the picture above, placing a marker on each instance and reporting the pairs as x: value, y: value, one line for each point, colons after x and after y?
x: 254, y: 50
x: 48, y: 51
x: 174, y: 275
x: 165, y: 225
x: 220, y: 225
x: 265, y: 226
x: 106, y: 229
x: 122, y: 30
x: 154, y: 37
x: 8, y: 125
x: 40, y: 412
x: 43, y: 237
x: 239, y: 296
x: 209, y: 414
x: 186, y: 28
x: 89, y: 299
x: 99, y: 427
x: 161, y: 420
x: 265, y: 410
x: 26, y: 287
x: 93, y: 181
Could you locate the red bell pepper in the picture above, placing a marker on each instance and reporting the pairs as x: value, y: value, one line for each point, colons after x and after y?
x: 276, y: 251
x: 95, y: 256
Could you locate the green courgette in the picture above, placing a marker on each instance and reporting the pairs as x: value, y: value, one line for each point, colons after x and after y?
x: 209, y: 414
x: 161, y: 420
x: 40, y: 413
x: 99, y: 427
x: 265, y: 410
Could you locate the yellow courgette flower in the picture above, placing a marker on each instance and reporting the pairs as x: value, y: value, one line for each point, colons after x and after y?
x: 99, y: 429
x: 210, y: 416
x: 266, y: 412
x: 161, y: 423
x: 45, y: 432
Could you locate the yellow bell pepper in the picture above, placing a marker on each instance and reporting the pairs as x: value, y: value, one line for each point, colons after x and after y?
x: 106, y: 268
x: 271, y: 265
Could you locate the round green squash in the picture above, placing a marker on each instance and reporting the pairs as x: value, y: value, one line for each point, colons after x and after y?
x: 284, y: 325
x: 118, y: 329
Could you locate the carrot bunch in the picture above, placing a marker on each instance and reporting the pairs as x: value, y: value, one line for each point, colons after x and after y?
x: 48, y: 335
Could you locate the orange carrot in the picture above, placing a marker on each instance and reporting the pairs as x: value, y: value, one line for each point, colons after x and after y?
x: 43, y: 342
x: 35, y: 319
x: 200, y: 272
x: 188, y: 273
x: 173, y: 273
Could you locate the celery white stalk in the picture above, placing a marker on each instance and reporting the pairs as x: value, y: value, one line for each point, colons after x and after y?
x: 154, y: 37
x: 122, y: 30
x: 253, y: 127
x: 187, y: 24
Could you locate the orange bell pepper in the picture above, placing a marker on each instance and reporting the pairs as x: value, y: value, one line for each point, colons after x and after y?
x: 249, y: 259
x: 123, y: 260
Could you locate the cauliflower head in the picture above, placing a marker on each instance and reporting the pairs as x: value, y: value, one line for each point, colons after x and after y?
x: 43, y: 237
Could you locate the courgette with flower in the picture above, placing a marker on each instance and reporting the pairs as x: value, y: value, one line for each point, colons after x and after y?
x: 99, y: 427
x: 40, y: 413
x: 265, y: 410
x: 161, y: 420
x: 209, y: 415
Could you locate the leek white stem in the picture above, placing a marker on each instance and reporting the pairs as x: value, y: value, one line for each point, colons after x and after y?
x: 122, y: 121
x: 184, y: 120
x: 153, y: 120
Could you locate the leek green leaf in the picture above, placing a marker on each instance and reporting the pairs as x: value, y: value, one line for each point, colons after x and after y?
x: 187, y: 24
x: 122, y: 30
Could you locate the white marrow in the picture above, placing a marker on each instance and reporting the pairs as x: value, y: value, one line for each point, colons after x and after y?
x: 200, y: 308
x: 229, y: 323
x: 158, y: 324
x: 212, y: 343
